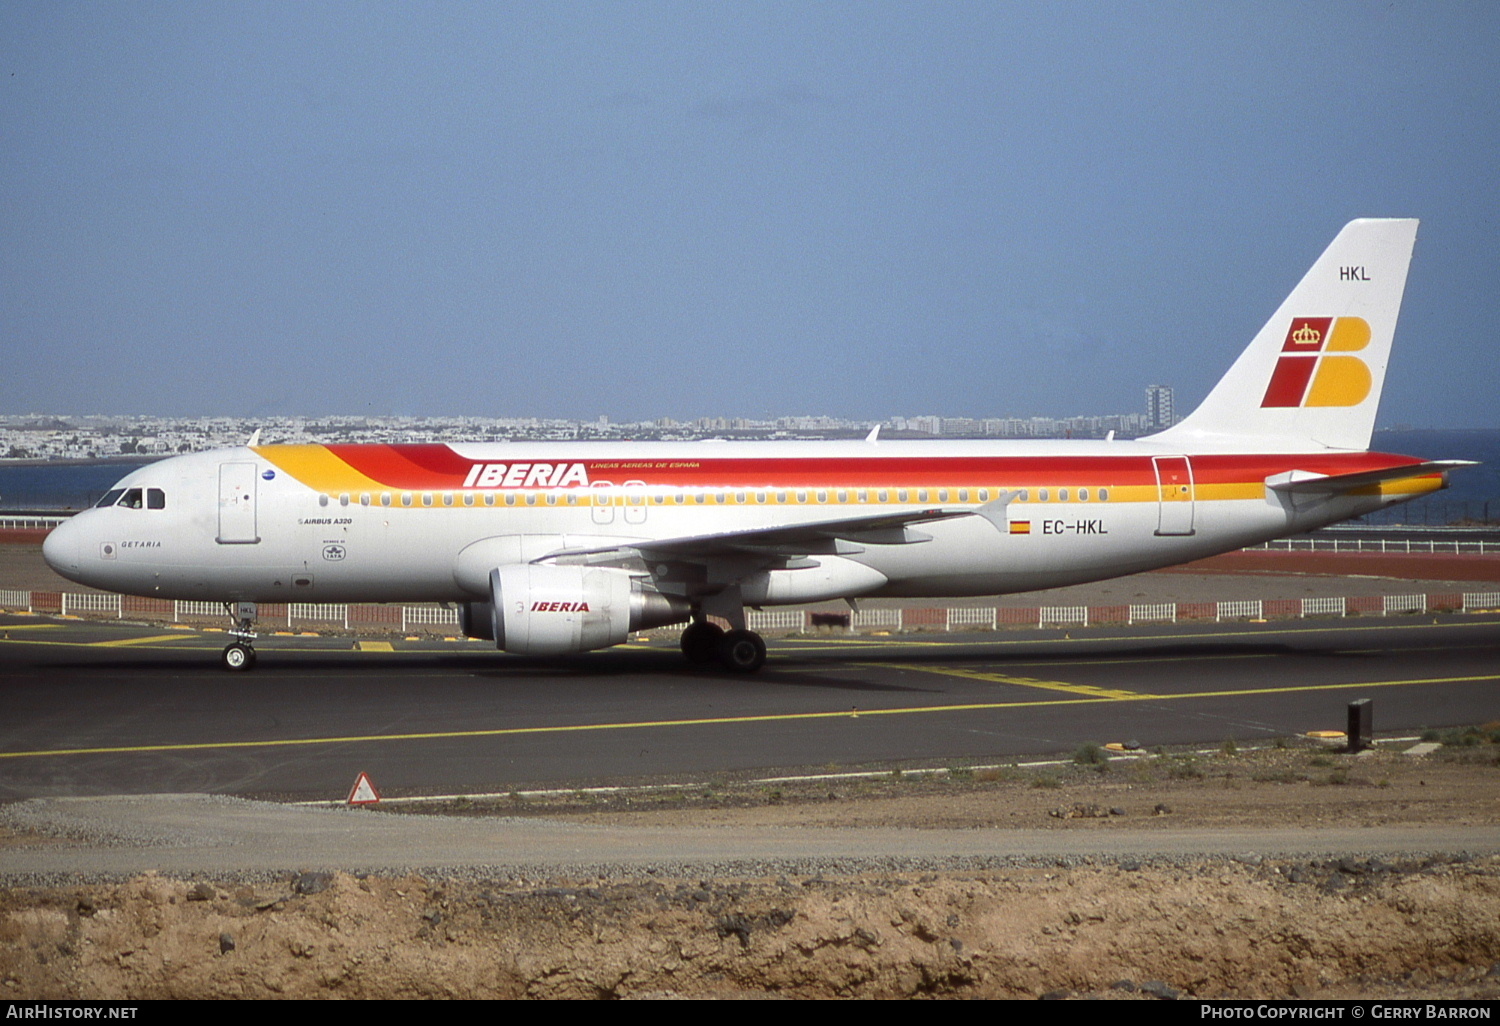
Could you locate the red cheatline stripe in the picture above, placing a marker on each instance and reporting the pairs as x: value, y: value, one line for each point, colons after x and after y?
x: 440, y: 467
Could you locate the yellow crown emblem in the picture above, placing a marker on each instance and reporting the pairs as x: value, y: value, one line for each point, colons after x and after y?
x: 1307, y: 335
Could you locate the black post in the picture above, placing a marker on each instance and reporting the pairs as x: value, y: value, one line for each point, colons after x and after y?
x: 1361, y: 718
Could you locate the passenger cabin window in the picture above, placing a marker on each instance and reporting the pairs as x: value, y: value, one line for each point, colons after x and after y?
x: 1104, y: 495
x: 156, y: 498
x: 322, y: 500
x: 1062, y: 495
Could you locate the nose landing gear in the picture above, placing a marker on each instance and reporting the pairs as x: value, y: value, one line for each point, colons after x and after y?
x: 239, y: 654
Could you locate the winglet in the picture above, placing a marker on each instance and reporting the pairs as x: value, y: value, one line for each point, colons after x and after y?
x: 874, y: 434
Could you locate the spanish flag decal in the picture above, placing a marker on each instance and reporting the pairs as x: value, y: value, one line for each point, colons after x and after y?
x: 1020, y: 527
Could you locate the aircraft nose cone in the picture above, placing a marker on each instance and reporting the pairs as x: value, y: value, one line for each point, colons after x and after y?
x: 60, y: 549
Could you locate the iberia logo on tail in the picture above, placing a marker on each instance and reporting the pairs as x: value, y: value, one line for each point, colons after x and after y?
x: 1313, y: 368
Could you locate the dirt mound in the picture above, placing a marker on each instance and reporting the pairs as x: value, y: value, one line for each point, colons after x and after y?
x: 1346, y: 928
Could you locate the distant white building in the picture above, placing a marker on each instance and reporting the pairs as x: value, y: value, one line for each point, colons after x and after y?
x: 1159, y: 412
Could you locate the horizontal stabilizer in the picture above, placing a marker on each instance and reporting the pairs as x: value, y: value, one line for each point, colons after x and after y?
x: 1309, y: 482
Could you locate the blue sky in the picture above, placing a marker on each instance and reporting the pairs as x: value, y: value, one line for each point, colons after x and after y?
x: 747, y: 209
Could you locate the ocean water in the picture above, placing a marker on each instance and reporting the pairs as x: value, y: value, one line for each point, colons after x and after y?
x: 1474, y: 494
x: 64, y: 485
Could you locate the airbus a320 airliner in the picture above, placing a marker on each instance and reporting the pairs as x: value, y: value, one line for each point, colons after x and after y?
x: 556, y: 548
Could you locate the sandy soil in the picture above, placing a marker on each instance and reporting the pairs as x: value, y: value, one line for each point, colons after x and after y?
x: 1356, y: 926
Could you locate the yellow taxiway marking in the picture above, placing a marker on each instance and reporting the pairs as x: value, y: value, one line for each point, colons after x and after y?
x: 374, y: 646
x: 713, y: 721
x: 1026, y: 682
x: 966, y: 640
x: 30, y: 626
x: 123, y: 642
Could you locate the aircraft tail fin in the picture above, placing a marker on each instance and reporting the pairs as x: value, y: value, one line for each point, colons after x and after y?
x: 1312, y: 376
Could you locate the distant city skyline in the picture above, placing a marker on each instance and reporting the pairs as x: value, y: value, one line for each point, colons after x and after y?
x: 702, y: 210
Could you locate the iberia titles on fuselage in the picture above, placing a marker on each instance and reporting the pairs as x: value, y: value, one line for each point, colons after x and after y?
x: 551, y: 548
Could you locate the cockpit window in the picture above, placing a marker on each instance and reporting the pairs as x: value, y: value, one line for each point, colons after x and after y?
x: 132, y: 499
x: 156, y: 498
x: 110, y: 498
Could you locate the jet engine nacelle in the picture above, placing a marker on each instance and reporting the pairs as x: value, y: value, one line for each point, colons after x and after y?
x: 551, y: 610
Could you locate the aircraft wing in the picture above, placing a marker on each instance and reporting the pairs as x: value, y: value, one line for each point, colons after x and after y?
x: 843, y: 536
x: 1309, y: 482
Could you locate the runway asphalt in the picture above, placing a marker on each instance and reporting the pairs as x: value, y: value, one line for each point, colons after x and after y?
x: 99, y: 708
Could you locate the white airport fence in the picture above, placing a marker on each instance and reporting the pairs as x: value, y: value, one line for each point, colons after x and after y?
x: 91, y: 602
x: 775, y: 619
x: 963, y: 618
x: 428, y: 616
x: 367, y: 616
x: 29, y: 523
x: 1398, y: 545
x: 1324, y: 607
x: 876, y: 619
x: 1153, y: 612
x: 1063, y: 616
x: 10, y: 599
x: 1251, y: 609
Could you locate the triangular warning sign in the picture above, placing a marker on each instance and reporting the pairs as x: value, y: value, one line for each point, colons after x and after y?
x: 363, y: 792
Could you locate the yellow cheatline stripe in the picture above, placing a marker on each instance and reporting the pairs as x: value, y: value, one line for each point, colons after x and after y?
x: 732, y: 720
x: 319, y: 469
x: 1027, y: 682
x: 137, y: 641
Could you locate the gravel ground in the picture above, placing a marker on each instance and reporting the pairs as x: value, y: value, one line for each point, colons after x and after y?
x: 1285, y: 872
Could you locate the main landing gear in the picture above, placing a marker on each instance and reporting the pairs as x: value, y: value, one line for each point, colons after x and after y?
x: 239, y: 654
x: 741, y: 651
